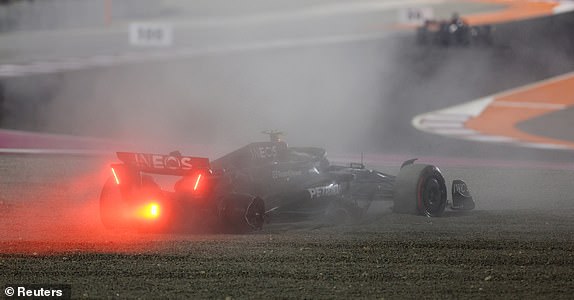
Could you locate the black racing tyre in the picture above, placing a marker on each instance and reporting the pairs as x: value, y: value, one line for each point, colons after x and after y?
x: 444, y: 37
x: 463, y: 36
x: 167, y: 216
x: 241, y: 213
x: 420, y: 189
x: 116, y: 211
x: 111, y: 204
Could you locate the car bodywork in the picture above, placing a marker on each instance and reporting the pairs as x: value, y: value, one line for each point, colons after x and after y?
x: 264, y: 181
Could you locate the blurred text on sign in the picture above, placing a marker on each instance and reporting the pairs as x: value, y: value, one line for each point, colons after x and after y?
x: 151, y: 34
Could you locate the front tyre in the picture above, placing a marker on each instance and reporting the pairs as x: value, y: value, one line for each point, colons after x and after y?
x: 420, y: 189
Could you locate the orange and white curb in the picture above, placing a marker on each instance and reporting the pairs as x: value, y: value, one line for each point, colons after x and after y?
x: 495, y: 118
x: 517, y: 10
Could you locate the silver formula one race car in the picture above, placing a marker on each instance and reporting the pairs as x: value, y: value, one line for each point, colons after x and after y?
x: 263, y: 181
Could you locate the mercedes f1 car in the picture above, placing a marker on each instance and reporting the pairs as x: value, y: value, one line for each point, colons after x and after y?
x: 259, y: 182
x: 454, y: 32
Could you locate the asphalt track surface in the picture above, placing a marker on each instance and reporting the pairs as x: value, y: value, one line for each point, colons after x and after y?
x: 516, y: 244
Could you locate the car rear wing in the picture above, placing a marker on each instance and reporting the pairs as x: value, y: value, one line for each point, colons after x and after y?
x: 171, y: 164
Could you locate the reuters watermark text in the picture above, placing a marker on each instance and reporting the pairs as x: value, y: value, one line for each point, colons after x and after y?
x: 37, y: 291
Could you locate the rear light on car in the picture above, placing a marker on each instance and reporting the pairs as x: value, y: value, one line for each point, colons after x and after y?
x: 123, y: 175
x: 196, y: 186
x: 153, y: 210
x: 115, y: 176
x: 150, y: 211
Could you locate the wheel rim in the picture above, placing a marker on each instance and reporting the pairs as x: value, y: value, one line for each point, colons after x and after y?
x: 432, y: 197
x: 255, y: 214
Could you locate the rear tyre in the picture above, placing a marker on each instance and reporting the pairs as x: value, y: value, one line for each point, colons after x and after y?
x: 117, y: 210
x: 241, y: 213
x: 111, y: 205
x: 420, y: 189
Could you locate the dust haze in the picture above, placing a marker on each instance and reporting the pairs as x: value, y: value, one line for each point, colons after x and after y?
x: 322, y: 95
x: 347, y: 97
x: 319, y: 97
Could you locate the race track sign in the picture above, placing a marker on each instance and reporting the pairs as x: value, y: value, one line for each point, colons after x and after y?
x: 151, y: 34
x: 415, y: 15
